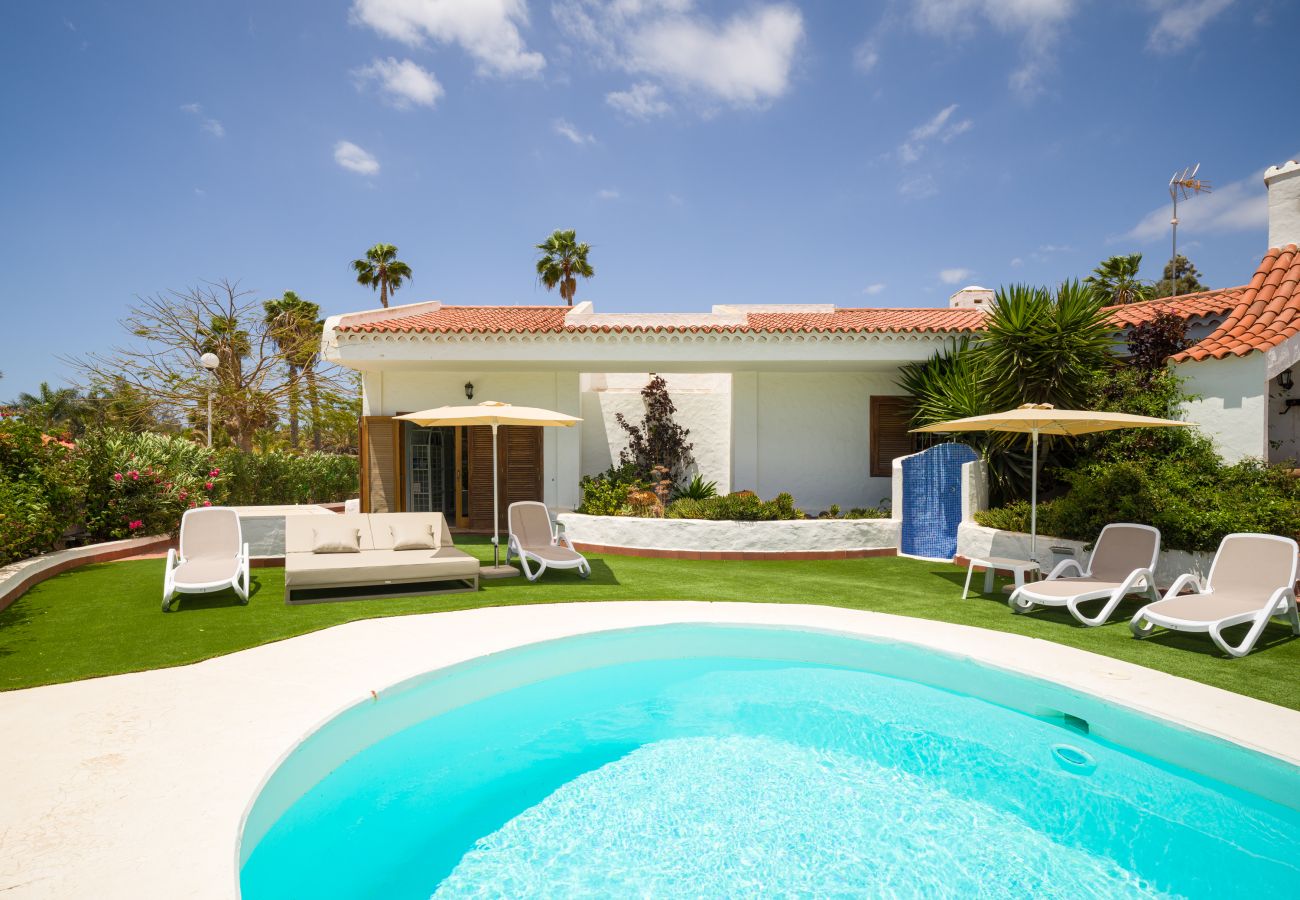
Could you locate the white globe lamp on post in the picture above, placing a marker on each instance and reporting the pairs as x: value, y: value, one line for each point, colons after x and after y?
x: 209, y: 361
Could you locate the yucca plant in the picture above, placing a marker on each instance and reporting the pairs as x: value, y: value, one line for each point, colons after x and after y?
x: 699, y: 489
x: 1038, y: 346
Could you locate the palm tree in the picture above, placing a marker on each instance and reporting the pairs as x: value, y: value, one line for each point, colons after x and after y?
x: 1116, y: 281
x: 562, y: 259
x: 381, y: 269
x: 291, y: 323
x: 51, y: 408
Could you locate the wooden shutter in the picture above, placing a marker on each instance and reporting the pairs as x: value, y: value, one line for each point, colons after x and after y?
x: 522, y: 472
x: 519, y: 460
x: 891, y: 419
x: 380, y: 465
x: 480, y: 477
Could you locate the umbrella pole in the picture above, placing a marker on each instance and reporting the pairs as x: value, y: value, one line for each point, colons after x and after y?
x: 496, y: 515
x: 1033, y: 504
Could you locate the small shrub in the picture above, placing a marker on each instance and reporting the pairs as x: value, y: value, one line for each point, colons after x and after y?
x: 869, y: 512
x: 606, y: 494
x: 741, y: 506
x: 699, y: 489
x: 658, y: 440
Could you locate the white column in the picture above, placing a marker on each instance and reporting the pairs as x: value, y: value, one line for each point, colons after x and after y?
x: 563, y: 472
x: 372, y: 394
x: 744, y: 431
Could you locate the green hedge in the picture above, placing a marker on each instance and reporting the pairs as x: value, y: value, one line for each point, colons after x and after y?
x: 253, y: 479
x: 118, y: 483
x: 1193, y: 505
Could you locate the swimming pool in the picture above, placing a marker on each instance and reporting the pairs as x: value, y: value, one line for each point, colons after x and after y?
x: 697, y: 760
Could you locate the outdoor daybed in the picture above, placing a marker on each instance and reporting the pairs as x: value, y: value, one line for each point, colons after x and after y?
x: 350, y: 557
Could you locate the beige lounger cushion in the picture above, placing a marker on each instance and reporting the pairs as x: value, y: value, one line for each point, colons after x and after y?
x: 378, y: 567
x: 1064, y: 588
x: 335, y: 537
x: 1208, y: 607
x: 1120, y: 551
x: 553, y: 553
x: 206, y: 571
x: 412, y: 535
x: 531, y: 526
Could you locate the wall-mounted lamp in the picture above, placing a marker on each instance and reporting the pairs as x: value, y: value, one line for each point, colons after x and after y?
x: 1285, y: 381
x: 469, y: 390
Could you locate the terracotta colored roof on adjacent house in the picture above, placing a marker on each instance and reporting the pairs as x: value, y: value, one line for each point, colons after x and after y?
x: 551, y: 319
x: 1185, y: 306
x: 1266, y: 311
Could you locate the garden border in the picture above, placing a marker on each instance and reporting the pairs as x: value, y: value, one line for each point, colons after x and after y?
x: 782, y: 539
x: 17, y: 578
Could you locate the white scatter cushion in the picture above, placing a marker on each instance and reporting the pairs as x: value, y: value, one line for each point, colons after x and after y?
x: 335, y: 538
x: 413, y: 536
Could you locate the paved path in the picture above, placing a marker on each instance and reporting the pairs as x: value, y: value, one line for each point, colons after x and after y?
x: 135, y: 785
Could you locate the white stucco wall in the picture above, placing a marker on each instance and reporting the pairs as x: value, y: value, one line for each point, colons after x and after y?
x: 1233, y: 405
x: 795, y: 535
x: 811, y: 435
x: 703, y: 407
x: 393, y: 392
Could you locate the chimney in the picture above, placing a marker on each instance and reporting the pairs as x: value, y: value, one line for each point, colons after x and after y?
x: 1283, y: 184
x: 972, y: 297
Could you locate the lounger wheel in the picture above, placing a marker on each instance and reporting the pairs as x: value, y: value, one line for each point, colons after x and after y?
x: 584, y: 573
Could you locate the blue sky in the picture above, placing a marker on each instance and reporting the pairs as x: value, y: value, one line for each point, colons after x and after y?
x: 855, y: 153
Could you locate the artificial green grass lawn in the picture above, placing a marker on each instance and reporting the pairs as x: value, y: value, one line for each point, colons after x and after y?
x: 106, y: 619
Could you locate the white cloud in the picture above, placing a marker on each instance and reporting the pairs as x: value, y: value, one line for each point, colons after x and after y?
x: 1038, y: 23
x: 354, y: 159
x: 866, y: 56
x: 488, y: 30
x: 918, y: 187
x: 744, y: 61
x: 207, y: 124
x: 953, y: 276
x: 873, y: 289
x: 938, y: 126
x: 608, y: 194
x: 1017, y: 263
x: 1238, y: 206
x: 567, y: 129
x: 405, y: 82
x: 641, y: 101
x: 1181, y: 22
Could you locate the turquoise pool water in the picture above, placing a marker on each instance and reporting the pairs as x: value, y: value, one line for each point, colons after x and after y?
x: 705, y: 761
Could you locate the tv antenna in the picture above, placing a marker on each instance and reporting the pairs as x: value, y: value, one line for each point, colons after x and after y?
x: 1182, y: 186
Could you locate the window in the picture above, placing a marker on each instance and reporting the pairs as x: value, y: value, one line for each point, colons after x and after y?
x: 891, y: 421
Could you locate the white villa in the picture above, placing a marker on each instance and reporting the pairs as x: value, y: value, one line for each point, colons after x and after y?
x: 799, y: 398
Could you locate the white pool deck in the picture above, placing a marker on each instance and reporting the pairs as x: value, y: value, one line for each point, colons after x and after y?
x: 135, y: 785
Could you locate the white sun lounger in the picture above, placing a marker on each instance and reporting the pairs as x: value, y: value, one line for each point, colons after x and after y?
x: 1252, y: 579
x: 532, y: 537
x: 213, y: 556
x: 1123, y: 562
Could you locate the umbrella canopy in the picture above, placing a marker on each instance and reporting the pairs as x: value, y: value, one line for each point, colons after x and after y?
x: 1043, y: 418
x: 494, y: 414
x: 490, y: 412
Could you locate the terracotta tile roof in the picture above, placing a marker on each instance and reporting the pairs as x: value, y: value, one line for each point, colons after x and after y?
x: 1186, y: 306
x: 551, y: 319
x: 1266, y: 312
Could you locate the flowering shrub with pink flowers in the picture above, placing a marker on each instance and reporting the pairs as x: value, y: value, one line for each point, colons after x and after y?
x: 138, y: 484
x: 40, y: 491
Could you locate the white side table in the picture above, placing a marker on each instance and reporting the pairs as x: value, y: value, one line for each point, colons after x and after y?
x: 1018, y: 568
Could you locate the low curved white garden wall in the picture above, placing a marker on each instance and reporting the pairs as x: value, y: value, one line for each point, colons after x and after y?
x: 976, y: 541
x: 707, y: 536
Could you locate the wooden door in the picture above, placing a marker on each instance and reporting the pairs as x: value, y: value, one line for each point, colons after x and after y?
x: 519, y: 470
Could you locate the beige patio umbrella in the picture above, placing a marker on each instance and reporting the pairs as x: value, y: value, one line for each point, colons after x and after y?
x: 1043, y: 418
x: 494, y: 414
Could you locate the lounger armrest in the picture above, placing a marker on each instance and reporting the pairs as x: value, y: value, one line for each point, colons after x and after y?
x: 1282, y: 593
x: 1133, y: 578
x: 1062, y: 566
x: 172, y: 562
x: 1183, y: 581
